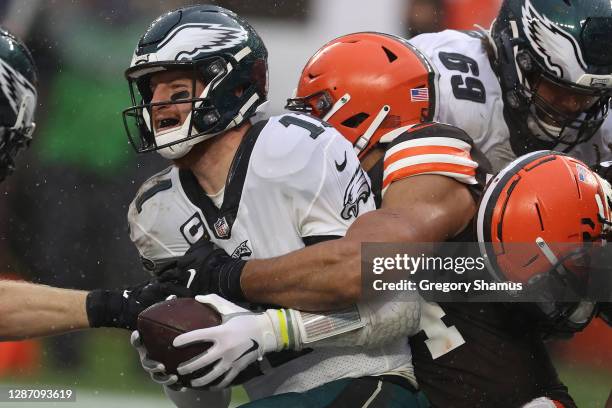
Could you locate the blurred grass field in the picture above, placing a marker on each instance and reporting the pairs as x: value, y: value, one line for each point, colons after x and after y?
x: 110, y: 375
x: 589, y: 387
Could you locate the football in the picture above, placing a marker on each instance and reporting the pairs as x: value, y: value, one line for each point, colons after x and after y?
x: 159, y: 324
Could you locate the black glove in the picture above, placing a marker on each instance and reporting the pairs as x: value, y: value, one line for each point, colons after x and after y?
x: 121, y: 307
x: 205, y: 269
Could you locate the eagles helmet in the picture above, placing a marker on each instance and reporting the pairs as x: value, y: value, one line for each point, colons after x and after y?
x: 220, y: 49
x: 561, y: 46
x: 18, y: 80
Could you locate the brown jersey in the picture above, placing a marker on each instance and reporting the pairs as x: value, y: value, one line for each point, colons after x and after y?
x: 467, y: 354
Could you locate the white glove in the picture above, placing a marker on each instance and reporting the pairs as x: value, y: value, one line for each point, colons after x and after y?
x: 240, y: 340
x: 155, y: 369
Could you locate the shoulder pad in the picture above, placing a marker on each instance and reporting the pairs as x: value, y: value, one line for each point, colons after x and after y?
x: 156, y: 217
x: 432, y: 148
x: 429, y: 130
x: 288, y: 142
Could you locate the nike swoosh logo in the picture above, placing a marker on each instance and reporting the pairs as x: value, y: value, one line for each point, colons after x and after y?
x: 126, y: 293
x: 192, y: 274
x: 340, y: 167
x: 254, y: 347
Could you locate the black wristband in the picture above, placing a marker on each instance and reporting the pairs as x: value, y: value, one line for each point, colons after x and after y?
x: 103, y: 308
x: 229, y: 280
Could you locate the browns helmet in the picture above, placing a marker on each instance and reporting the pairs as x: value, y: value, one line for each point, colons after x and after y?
x: 370, y: 86
x: 538, y: 223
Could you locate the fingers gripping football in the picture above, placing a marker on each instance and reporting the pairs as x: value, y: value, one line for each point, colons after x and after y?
x: 240, y: 340
x: 155, y: 369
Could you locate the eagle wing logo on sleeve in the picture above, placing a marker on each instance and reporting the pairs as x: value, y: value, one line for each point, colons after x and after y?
x: 553, y: 44
x: 242, y: 250
x: 358, y: 189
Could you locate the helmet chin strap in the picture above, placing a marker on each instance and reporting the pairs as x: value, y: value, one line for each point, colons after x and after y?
x: 536, y: 125
x: 364, y: 140
x: 339, y: 104
x: 550, y: 255
x: 21, y: 121
x: 178, y: 150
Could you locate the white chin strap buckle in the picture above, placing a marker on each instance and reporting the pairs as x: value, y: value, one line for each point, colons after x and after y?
x: 550, y: 256
x: 339, y: 104
x: 364, y: 140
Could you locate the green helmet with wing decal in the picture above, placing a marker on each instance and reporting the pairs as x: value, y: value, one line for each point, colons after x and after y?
x: 18, y: 80
x: 555, y: 65
x: 220, y: 49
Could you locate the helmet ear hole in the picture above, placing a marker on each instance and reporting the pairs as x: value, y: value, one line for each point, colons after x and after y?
x: 355, y: 120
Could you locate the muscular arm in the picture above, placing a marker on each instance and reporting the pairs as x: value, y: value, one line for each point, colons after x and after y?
x: 327, y: 275
x: 31, y: 310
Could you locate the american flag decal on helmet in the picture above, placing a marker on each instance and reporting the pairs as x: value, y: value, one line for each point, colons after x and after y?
x: 419, y: 94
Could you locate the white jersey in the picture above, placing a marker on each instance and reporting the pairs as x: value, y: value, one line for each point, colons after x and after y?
x: 294, y: 181
x: 469, y: 96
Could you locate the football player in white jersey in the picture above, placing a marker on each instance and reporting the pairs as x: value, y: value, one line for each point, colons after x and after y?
x: 30, y: 310
x: 66, y: 310
x: 540, y: 79
x: 441, y: 207
x: 377, y: 120
x: 262, y: 189
x: 22, y: 304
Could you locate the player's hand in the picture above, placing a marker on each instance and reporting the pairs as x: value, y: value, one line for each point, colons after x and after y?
x: 120, y: 308
x: 240, y: 340
x: 155, y: 369
x: 206, y: 269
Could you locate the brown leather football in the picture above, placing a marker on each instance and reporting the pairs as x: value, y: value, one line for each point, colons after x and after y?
x: 159, y: 324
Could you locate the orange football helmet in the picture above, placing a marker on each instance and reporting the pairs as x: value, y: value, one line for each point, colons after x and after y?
x: 550, y: 204
x: 370, y: 86
x: 538, y: 223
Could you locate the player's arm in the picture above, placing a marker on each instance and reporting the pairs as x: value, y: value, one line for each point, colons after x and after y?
x: 33, y: 310
x: 426, y: 198
x: 328, y: 275
x: 244, y: 337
